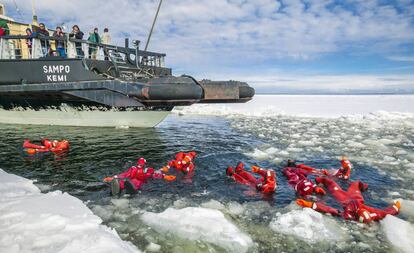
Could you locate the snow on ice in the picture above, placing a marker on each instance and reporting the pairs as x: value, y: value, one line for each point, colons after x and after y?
x: 308, y: 225
x: 197, y: 223
x: 53, y: 222
x: 399, y: 233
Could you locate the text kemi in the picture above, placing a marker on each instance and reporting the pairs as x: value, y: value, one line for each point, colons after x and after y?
x: 56, y: 73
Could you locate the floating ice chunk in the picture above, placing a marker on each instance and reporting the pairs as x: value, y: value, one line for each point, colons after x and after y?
x: 120, y: 203
x: 196, y: 223
x: 258, y: 154
x: 354, y: 144
x: 401, y: 152
x: 305, y: 143
x: 388, y: 141
x: 213, y: 204
x: 54, y: 222
x: 272, y: 151
x: 180, y: 203
x: 294, y: 150
x: 399, y: 233
x: 12, y: 186
x: 308, y: 225
x: 284, y: 153
x: 153, y: 247
x: 235, y: 208
x: 407, y: 207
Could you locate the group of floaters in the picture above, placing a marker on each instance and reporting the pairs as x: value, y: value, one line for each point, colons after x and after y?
x: 351, y: 200
x: 136, y: 176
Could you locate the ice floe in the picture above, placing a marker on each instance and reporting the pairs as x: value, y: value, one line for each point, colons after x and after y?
x: 53, y: 222
x: 307, y: 225
x: 399, y: 233
x: 197, y: 223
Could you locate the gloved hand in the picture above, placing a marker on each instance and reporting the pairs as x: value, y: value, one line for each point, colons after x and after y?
x: 397, y: 204
x: 325, y: 172
x: 169, y: 178
x: 165, y: 169
x: 255, y: 169
x: 320, y: 190
x: 108, y: 179
x: 304, y: 203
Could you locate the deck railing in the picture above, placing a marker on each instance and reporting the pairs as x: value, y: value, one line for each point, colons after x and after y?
x: 38, y: 47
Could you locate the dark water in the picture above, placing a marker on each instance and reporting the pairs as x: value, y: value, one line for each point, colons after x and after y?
x: 99, y: 152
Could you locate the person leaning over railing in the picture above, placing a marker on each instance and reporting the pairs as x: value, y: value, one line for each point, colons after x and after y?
x: 29, y: 41
x: 60, y: 44
x: 44, y: 42
x: 77, y: 34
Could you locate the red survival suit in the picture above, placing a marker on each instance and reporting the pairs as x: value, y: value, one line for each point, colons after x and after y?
x: 266, y: 184
x: 297, y: 178
x: 138, y: 175
x: 47, y: 146
x: 183, y: 162
x: 344, y: 172
x: 351, y: 201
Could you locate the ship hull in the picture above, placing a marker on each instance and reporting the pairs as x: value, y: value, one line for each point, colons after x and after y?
x: 92, y: 118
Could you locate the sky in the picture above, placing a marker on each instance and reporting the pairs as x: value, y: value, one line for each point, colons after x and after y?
x: 274, y: 45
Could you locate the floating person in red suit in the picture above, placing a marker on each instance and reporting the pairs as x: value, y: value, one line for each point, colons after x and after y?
x: 183, y: 162
x: 266, y: 184
x: 54, y: 146
x: 351, y: 201
x: 298, y: 178
x: 132, y: 179
x: 344, y: 172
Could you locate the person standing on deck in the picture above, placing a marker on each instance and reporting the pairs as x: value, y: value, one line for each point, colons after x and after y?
x: 95, y: 38
x: 106, y: 39
x: 60, y: 44
x: 77, y: 34
x: 44, y: 42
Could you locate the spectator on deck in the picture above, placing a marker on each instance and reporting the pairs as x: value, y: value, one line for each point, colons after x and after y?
x: 106, y: 39
x: 44, y: 42
x: 95, y: 38
x: 4, y: 28
x: 29, y: 40
x: 77, y: 34
x: 60, y: 44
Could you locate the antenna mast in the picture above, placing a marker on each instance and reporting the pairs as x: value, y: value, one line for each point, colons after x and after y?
x: 152, y: 27
x: 34, y: 22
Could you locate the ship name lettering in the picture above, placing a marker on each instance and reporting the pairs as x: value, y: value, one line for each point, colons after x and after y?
x: 56, y: 78
x: 56, y: 69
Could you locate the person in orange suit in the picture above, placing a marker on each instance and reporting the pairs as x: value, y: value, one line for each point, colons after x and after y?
x: 298, y: 178
x: 54, y: 146
x: 352, y: 202
x: 344, y: 172
x: 183, y: 162
x: 266, y: 184
x: 132, y: 179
